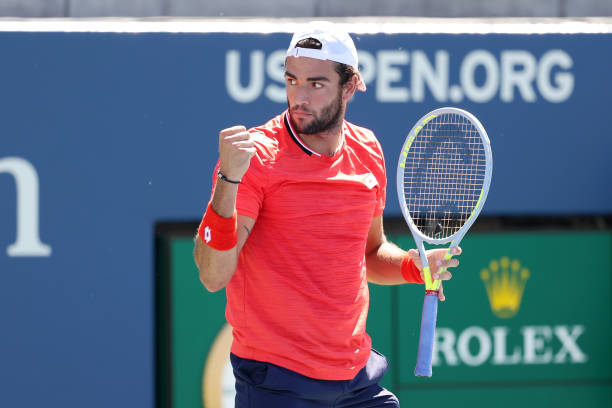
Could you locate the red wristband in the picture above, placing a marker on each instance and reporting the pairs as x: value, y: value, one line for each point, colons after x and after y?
x: 410, y: 272
x: 218, y: 232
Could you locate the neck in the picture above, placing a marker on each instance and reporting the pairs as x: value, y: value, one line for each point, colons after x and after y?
x: 327, y: 142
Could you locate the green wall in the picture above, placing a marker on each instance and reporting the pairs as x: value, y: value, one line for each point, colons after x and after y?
x: 550, y: 345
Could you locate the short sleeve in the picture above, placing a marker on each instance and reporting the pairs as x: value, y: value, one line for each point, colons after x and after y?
x: 381, y: 176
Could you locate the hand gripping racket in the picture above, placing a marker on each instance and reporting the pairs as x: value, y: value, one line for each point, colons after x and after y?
x: 443, y: 177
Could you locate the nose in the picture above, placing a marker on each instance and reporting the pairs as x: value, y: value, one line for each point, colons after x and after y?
x: 301, y: 95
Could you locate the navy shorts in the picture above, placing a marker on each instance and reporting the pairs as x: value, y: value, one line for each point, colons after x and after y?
x: 265, y: 385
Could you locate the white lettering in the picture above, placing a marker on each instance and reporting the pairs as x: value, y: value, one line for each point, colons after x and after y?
x: 564, y: 80
x: 500, y: 356
x: 467, y: 75
x: 463, y: 346
x: 522, y: 79
x: 535, y: 340
x: 28, y: 241
x: 423, y: 72
x: 367, y: 66
x: 232, y: 76
x: 515, y: 74
x: 388, y: 73
x: 275, y: 68
x: 568, y: 344
x: 476, y: 345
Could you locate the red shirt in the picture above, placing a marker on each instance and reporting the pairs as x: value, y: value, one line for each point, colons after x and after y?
x: 299, y: 297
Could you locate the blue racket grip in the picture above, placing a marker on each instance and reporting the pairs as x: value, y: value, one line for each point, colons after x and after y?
x: 426, y: 339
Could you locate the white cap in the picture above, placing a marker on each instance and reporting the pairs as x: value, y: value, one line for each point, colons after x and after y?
x: 336, y: 45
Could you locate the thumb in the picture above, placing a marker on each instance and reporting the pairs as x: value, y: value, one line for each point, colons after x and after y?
x: 416, y: 257
x: 414, y: 254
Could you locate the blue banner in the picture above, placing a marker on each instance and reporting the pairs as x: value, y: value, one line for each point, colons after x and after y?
x: 104, y: 135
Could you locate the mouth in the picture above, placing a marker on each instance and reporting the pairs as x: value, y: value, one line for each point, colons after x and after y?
x: 300, y: 114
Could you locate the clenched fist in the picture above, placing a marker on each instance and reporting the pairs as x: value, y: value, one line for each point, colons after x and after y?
x: 236, y: 147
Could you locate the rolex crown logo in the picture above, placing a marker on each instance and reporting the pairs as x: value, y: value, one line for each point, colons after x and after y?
x: 505, y: 281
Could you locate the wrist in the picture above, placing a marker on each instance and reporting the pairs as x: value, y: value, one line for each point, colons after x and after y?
x: 410, y: 272
x: 230, y: 180
x: 218, y: 232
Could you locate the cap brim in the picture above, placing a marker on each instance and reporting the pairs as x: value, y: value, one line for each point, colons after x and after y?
x: 361, y: 86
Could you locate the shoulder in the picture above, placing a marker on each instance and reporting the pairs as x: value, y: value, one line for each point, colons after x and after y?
x: 363, y: 139
x: 266, y: 138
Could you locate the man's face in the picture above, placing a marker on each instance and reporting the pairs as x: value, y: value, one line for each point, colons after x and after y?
x: 314, y: 95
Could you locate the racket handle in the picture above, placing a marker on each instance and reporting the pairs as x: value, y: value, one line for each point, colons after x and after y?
x: 426, y: 339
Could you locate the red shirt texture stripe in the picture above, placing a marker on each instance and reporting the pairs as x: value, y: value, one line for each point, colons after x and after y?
x: 299, y: 297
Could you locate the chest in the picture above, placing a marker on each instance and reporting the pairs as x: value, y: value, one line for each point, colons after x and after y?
x: 339, y: 192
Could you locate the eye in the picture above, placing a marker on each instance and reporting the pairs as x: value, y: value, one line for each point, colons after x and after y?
x: 291, y: 81
x: 317, y: 85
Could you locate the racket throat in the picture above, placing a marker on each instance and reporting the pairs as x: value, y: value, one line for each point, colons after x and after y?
x: 430, y: 283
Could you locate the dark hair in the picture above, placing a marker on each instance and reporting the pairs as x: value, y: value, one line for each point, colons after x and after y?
x: 345, y: 71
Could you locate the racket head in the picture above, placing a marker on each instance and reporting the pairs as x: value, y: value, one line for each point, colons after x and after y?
x: 446, y: 147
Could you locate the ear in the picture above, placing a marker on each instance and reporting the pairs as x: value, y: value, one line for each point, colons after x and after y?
x: 348, y: 89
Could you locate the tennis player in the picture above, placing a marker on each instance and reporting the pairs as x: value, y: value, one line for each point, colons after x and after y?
x: 294, y: 232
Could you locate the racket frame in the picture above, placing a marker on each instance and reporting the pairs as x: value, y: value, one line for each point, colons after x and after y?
x: 430, y: 304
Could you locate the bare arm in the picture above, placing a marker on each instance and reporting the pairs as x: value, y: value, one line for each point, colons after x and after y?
x: 235, y: 153
x: 217, y: 267
x: 383, y: 258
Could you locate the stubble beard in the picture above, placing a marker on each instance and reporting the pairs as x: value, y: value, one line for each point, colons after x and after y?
x: 329, y: 118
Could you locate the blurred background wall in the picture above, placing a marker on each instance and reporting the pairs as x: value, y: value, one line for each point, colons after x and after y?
x: 107, y: 144
x: 305, y: 8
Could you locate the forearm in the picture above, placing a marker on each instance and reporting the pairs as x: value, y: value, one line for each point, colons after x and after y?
x: 224, y: 198
x: 383, y: 264
x: 217, y: 259
x: 216, y: 266
x: 387, y: 264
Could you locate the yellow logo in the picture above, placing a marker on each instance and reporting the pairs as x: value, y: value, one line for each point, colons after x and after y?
x: 505, y: 281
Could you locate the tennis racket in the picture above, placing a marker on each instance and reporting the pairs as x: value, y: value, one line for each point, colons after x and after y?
x: 443, y: 178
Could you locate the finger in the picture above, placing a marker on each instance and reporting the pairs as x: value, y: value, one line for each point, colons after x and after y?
x: 414, y: 254
x: 232, y: 130
x: 237, y: 137
x: 250, y: 150
x: 451, y: 263
x: 441, y: 296
x: 456, y: 251
x: 243, y: 144
x: 443, y: 275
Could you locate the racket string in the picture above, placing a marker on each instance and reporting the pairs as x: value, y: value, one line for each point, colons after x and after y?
x: 444, y: 173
